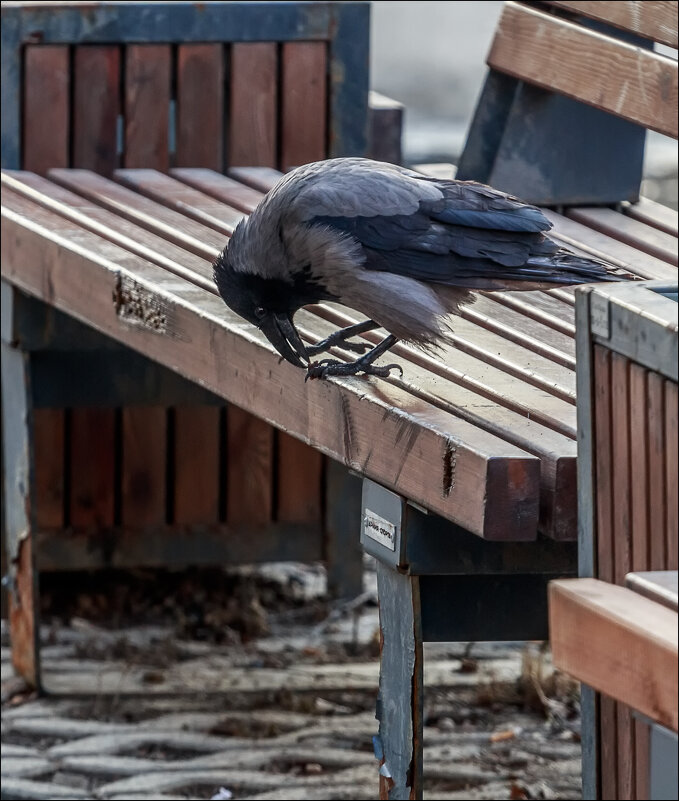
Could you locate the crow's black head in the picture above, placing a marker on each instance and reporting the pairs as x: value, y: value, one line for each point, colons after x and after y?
x: 267, y: 302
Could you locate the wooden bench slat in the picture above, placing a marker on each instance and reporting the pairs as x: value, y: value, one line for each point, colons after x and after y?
x: 655, y: 403
x: 103, y: 222
x: 96, y: 106
x: 553, y: 53
x: 263, y: 179
x: 92, y: 467
x: 200, y: 104
x: 304, y: 68
x: 196, y: 489
x: 617, y: 642
x: 622, y: 544
x: 181, y: 197
x: 582, y: 239
x: 640, y: 534
x: 46, y: 103
x: 48, y: 444
x: 299, y: 481
x: 531, y: 307
x: 213, y: 347
x: 144, y: 466
x: 253, y: 104
x: 147, y: 106
x: 220, y: 186
x: 171, y: 225
x: 652, y: 19
x: 655, y: 214
x: 250, y: 469
x: 628, y: 230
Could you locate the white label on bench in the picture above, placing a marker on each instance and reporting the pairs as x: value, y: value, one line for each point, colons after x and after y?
x: 379, y: 529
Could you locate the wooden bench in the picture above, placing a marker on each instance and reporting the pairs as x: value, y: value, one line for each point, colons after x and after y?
x: 625, y: 645
x: 469, y: 458
x: 562, y: 117
x: 627, y: 341
x: 172, y: 85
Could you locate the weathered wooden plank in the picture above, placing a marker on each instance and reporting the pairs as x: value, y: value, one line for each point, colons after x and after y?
x: 147, y: 106
x: 200, y: 106
x: 111, y: 227
x: 212, y: 183
x: 249, y: 469
x: 655, y: 409
x: 171, y: 225
x: 671, y: 473
x: 144, y: 466
x: 46, y: 107
x: 437, y: 462
x: 617, y: 642
x: 633, y: 232
x: 263, y: 179
x: 180, y: 197
x: 639, y: 488
x: 654, y: 214
x: 636, y: 84
x: 49, y: 459
x: 652, y: 19
x: 622, y: 534
x: 195, y: 485
x: 92, y: 468
x: 603, y: 456
x: 96, y: 107
x: 303, y: 103
x: 300, y: 481
x: 177, y: 546
x: 253, y: 103
x: 582, y: 239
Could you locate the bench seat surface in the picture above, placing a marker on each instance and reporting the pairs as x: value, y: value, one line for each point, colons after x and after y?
x: 484, y: 434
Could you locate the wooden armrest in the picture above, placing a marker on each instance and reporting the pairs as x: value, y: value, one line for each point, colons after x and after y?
x: 618, y: 642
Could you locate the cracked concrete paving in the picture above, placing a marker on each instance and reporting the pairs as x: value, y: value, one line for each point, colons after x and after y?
x: 216, y: 716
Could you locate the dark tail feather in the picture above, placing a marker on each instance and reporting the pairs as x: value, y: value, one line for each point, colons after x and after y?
x: 563, y: 267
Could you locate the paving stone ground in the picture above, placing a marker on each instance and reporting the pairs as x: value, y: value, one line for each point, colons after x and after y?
x: 139, y: 713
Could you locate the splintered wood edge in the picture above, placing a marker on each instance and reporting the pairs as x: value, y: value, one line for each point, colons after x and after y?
x: 618, y: 642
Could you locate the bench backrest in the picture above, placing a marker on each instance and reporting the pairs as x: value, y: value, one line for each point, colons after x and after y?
x: 162, y: 85
x: 182, y: 84
x: 572, y: 88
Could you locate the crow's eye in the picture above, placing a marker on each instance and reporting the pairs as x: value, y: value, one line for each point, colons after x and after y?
x: 260, y: 312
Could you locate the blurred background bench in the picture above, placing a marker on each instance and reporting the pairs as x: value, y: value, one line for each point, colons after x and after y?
x: 159, y: 85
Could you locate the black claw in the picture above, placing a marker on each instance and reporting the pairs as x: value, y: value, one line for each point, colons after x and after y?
x: 330, y: 367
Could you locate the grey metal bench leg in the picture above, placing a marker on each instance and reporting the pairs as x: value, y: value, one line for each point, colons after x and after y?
x: 399, y: 705
x: 343, y: 553
x: 18, y: 488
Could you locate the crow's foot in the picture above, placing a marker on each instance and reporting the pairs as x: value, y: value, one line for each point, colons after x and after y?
x: 329, y: 367
x: 340, y: 338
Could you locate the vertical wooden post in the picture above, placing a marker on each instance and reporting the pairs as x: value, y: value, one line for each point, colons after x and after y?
x: 18, y: 497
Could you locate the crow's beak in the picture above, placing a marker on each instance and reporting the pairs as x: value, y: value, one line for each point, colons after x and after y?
x: 281, y: 333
